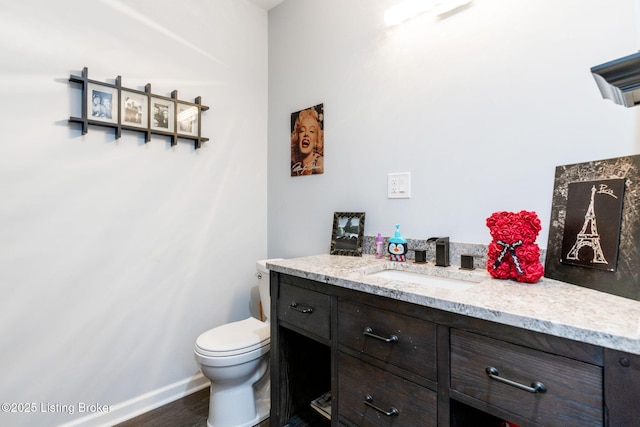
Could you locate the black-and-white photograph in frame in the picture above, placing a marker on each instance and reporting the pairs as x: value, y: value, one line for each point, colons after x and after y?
x: 347, y: 233
x: 101, y: 106
x: 102, y: 103
x: 567, y: 240
x: 134, y: 109
x: 187, y: 119
x: 162, y: 114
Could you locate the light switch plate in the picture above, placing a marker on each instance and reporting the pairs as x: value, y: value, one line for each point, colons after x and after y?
x: 399, y: 185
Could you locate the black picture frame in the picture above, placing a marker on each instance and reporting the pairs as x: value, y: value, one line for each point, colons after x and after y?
x: 347, y: 233
x: 620, y: 277
x: 102, y: 103
x: 112, y: 110
x: 162, y: 115
x: 187, y: 119
x: 134, y: 109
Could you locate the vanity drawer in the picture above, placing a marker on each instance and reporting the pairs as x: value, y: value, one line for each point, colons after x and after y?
x: 371, y: 331
x: 369, y: 396
x: 574, y: 390
x: 305, y: 309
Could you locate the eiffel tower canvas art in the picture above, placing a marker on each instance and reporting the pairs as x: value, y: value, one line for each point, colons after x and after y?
x: 592, y: 227
x: 589, y: 236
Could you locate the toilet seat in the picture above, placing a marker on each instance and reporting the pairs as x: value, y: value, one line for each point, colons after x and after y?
x: 233, y: 339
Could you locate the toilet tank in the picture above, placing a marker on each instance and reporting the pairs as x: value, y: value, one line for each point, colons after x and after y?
x: 262, y: 273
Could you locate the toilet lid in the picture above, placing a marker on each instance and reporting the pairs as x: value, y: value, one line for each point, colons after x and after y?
x: 234, y: 338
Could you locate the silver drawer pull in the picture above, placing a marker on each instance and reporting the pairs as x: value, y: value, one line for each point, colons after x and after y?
x: 369, y: 332
x: 301, y: 308
x: 368, y: 400
x: 536, y: 387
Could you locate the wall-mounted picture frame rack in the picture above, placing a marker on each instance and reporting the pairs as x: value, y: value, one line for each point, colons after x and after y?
x: 111, y: 105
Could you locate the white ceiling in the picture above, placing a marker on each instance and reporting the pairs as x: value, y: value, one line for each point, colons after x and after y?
x: 266, y: 4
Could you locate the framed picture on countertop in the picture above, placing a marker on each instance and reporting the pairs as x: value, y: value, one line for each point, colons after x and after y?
x: 347, y: 234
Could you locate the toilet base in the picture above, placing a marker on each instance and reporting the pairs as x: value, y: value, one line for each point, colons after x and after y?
x: 251, y: 423
x: 263, y: 414
x: 261, y: 396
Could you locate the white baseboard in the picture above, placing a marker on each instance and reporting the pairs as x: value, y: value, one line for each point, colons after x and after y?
x: 139, y: 405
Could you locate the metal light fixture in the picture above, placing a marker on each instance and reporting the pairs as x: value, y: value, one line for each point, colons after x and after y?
x: 619, y: 80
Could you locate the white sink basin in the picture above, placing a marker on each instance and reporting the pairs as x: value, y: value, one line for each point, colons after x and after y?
x: 424, y: 279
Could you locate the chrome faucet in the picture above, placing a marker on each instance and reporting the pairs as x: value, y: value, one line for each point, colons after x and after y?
x: 442, y: 250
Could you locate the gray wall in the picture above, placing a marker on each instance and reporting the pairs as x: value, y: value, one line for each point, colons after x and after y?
x: 480, y: 107
x: 116, y: 254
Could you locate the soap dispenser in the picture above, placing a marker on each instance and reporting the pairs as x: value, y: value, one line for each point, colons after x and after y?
x: 379, y: 247
x: 397, y: 246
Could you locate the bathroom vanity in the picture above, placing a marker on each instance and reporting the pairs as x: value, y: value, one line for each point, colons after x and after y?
x: 403, y: 344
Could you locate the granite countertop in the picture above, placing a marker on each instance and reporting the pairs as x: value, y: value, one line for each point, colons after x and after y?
x: 548, y: 306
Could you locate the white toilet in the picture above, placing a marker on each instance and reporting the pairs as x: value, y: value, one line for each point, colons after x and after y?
x: 235, y: 358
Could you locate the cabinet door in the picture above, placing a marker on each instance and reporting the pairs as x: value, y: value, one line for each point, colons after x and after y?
x: 305, y: 309
x: 402, y: 341
x: 622, y: 388
x: 371, y: 397
x: 549, y: 390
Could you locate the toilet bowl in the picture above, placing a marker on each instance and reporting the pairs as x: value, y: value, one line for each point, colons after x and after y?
x: 235, y: 358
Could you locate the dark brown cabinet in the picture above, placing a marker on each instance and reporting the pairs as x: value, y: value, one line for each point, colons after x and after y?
x: 393, y: 363
x: 544, y: 388
x: 386, y: 363
x: 304, y: 309
x: 372, y: 396
x: 403, y: 342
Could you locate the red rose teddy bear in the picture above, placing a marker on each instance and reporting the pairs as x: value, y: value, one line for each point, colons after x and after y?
x: 512, y: 253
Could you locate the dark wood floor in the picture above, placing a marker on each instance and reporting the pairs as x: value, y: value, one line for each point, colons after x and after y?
x: 190, y: 411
